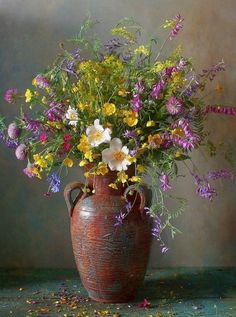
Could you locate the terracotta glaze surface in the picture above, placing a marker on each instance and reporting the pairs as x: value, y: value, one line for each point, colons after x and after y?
x: 111, y: 259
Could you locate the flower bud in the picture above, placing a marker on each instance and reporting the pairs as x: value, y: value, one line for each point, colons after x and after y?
x: 21, y: 152
x: 13, y: 131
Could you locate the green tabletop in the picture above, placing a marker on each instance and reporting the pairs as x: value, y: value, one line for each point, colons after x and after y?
x: 170, y: 292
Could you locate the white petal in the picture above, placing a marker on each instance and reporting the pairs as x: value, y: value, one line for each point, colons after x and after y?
x: 116, y: 144
x: 125, y: 150
x: 96, y: 122
x: 107, y: 155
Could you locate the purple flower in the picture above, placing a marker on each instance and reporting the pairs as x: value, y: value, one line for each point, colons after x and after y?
x: 174, y: 105
x: 156, y: 232
x: 125, y: 57
x: 54, y: 182
x: 157, y: 89
x: 123, y: 213
x: 184, y: 143
x: 41, y: 81
x: 176, y: 26
x: 169, y: 70
x: 55, y: 112
x: 21, y: 152
x: 219, y: 174
x: 136, y: 103
x: 13, y: 131
x: 204, y: 188
x: 213, y: 70
x: 28, y: 170
x: 32, y: 125
x: 139, y: 87
x: 164, y: 182
x: 10, y: 95
x: 130, y: 134
x: 112, y: 45
x: 221, y: 110
x: 193, y: 86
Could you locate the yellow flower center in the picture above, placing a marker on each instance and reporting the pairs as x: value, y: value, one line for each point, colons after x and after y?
x: 97, y: 135
x: 119, y: 156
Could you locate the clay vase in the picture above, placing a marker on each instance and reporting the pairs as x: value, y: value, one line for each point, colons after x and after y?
x: 111, y: 259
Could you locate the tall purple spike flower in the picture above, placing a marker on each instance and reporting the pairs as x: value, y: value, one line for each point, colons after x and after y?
x: 221, y: 110
x: 177, y: 25
x: 204, y: 188
x: 156, y: 90
x: 54, y: 182
x: 123, y: 213
x: 156, y: 232
x: 136, y: 103
x: 174, y: 106
x: 214, y: 175
x: 10, y: 95
x: 213, y: 70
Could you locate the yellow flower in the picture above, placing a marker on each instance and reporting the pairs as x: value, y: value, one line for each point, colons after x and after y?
x: 122, y: 93
x: 131, y: 118
x: 83, y: 146
x: 178, y: 132
x: 84, y: 106
x: 132, y: 159
x: 28, y: 95
x: 140, y: 168
x: 40, y: 161
x: 150, y: 123
x: 122, y: 177
x: 44, y: 100
x: 34, y: 82
x: 102, y: 169
x: 68, y: 162
x: 108, y: 109
x: 83, y: 163
x: 35, y: 171
x: 142, y: 50
x: 155, y: 140
x: 89, y: 155
x: 113, y: 185
x: 135, y: 179
x: 49, y: 157
x: 178, y: 154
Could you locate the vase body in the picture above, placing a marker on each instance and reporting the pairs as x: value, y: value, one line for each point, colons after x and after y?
x: 111, y: 259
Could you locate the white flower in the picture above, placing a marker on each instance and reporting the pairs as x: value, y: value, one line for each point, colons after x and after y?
x: 97, y: 134
x: 72, y: 115
x: 116, y: 156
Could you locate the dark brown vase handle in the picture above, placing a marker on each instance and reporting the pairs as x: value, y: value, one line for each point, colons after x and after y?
x: 70, y: 202
x: 141, y: 194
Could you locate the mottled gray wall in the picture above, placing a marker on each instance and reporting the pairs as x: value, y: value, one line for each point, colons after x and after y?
x: 34, y: 230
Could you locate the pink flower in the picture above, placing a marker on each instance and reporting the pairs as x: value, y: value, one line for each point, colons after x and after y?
x: 28, y: 170
x: 66, y: 146
x: 144, y: 304
x: 13, y: 131
x: 21, y: 152
x: 10, y: 95
x: 67, y: 137
x: 43, y: 137
x: 174, y: 105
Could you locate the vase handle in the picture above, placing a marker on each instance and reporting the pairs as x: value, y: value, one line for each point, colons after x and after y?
x: 141, y: 194
x: 70, y: 202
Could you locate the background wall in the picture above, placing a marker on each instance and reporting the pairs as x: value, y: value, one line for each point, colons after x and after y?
x: 34, y: 230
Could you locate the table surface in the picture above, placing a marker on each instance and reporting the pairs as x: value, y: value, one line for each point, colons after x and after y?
x: 183, y: 292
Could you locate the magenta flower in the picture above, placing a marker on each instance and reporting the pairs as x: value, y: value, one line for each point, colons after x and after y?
x: 13, y: 131
x: 176, y: 26
x: 136, y: 103
x: 221, y: 110
x: 139, y: 87
x: 28, y: 170
x: 174, y: 105
x: 41, y: 81
x: 21, y: 152
x: 10, y: 95
x: 157, y: 89
x: 164, y: 182
x: 43, y: 137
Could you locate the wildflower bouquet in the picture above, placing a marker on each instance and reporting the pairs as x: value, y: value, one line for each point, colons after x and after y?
x: 114, y: 105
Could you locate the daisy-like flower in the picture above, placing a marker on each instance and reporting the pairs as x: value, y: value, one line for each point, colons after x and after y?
x: 72, y: 115
x: 174, y: 106
x: 97, y: 134
x: 116, y: 156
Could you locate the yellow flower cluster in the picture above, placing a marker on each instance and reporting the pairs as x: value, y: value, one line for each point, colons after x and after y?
x: 123, y: 32
x: 142, y: 50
